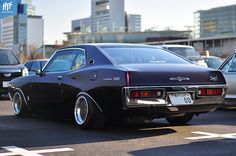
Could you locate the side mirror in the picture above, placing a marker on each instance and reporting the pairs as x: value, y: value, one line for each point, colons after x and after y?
x: 39, y: 72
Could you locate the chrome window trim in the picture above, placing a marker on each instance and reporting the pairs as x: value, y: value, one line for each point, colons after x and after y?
x: 64, y: 50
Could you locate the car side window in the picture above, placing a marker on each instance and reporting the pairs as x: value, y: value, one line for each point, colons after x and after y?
x: 28, y: 65
x: 80, y: 60
x: 66, y: 60
x: 35, y: 66
x: 232, y: 67
x: 226, y: 67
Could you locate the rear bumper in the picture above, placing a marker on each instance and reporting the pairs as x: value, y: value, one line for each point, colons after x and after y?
x: 162, y: 106
x: 164, y: 111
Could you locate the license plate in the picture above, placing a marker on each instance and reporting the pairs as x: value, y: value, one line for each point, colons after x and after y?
x: 180, y: 99
x: 5, y: 84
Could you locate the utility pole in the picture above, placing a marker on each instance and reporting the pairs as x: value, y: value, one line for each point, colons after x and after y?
x: 189, y: 28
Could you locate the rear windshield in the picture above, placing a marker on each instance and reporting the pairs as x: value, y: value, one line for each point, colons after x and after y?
x: 8, y: 58
x: 131, y: 55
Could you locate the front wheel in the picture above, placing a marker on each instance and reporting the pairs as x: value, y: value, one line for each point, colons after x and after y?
x: 20, y: 108
x: 180, y: 119
x: 87, y: 114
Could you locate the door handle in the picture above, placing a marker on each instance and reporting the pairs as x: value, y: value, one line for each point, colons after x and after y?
x: 59, y: 77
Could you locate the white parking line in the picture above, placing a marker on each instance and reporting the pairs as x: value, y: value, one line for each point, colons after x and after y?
x: 23, y: 152
x: 207, y: 135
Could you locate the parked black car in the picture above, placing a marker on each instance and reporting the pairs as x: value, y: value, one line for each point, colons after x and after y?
x: 98, y: 83
x: 35, y: 65
x: 10, y: 68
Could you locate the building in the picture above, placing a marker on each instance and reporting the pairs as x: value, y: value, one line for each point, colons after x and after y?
x: 107, y: 16
x: 82, y: 25
x: 23, y: 30
x: 133, y: 22
x: 124, y: 37
x: 35, y: 25
x: 215, y: 22
x: 30, y: 8
x: 13, y: 30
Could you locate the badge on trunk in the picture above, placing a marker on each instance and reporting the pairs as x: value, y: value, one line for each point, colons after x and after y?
x: 180, y: 79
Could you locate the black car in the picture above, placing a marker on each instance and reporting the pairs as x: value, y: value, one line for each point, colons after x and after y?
x: 101, y: 83
x: 35, y: 65
x: 10, y: 68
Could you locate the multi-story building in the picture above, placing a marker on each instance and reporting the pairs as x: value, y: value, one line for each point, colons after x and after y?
x: 107, y: 16
x: 13, y: 30
x: 133, y: 22
x: 20, y: 31
x: 30, y: 7
x: 35, y: 25
x: 82, y: 25
x: 215, y: 22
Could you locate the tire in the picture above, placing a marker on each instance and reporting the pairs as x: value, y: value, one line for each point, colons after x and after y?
x: 180, y: 119
x: 87, y: 115
x: 20, y: 108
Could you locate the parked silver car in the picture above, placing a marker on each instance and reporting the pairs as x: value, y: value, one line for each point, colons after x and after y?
x: 228, y: 68
x: 213, y: 61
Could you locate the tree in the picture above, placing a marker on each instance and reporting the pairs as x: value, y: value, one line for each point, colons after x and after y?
x: 32, y: 54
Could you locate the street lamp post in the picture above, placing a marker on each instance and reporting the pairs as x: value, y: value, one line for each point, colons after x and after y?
x: 189, y: 35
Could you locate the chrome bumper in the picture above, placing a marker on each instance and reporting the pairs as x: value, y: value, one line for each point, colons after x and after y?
x: 165, y: 101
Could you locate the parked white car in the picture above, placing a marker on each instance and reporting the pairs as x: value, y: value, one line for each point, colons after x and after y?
x: 188, y: 52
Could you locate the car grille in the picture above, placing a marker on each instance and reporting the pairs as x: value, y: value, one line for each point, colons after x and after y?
x: 12, y: 76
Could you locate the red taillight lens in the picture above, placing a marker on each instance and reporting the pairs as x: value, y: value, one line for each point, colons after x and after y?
x: 134, y: 94
x: 210, y: 92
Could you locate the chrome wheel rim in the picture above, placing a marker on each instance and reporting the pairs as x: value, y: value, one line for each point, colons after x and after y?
x: 17, y: 103
x: 81, y: 110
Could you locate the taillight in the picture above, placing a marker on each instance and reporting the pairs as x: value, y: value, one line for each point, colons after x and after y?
x: 210, y: 91
x: 134, y: 94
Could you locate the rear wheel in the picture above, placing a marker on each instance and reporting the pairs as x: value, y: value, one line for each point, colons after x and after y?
x: 180, y: 119
x: 19, y: 106
x: 87, y: 114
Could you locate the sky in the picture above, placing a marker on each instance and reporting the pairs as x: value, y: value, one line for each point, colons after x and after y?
x: 156, y: 14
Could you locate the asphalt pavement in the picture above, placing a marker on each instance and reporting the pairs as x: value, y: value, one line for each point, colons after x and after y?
x: 211, y: 134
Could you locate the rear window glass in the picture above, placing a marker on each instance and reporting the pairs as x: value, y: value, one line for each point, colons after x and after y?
x: 8, y: 58
x: 131, y: 55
